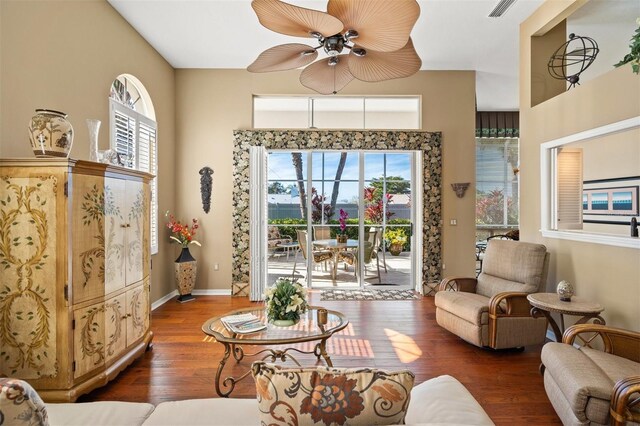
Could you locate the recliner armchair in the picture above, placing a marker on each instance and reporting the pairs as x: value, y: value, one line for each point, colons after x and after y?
x: 593, y: 376
x: 492, y: 310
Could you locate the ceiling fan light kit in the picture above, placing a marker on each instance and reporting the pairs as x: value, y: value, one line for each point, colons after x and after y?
x: 381, y: 28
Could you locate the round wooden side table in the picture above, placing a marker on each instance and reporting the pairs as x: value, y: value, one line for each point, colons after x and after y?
x: 545, y: 303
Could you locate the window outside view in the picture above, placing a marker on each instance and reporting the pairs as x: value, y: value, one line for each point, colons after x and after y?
x: 336, y: 194
x: 497, y: 196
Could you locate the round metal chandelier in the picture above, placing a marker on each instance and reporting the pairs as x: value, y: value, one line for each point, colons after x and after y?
x: 572, y: 59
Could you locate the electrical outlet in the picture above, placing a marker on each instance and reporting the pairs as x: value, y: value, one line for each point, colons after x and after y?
x: 444, y: 266
x: 216, y: 267
x: 453, y: 222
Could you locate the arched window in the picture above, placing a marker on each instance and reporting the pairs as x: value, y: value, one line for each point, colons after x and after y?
x: 133, y: 134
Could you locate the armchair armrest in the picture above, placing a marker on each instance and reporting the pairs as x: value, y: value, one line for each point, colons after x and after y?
x: 623, y: 401
x: 465, y: 284
x: 509, y: 304
x: 615, y: 341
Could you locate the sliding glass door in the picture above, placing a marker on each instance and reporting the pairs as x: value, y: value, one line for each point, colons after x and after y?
x: 342, y: 219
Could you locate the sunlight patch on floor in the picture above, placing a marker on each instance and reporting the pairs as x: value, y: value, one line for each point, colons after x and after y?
x: 405, y: 347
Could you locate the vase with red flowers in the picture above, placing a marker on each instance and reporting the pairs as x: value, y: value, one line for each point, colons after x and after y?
x: 342, y: 235
x: 186, y: 266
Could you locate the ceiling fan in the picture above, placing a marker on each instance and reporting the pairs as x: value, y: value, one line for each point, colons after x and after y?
x: 374, y: 32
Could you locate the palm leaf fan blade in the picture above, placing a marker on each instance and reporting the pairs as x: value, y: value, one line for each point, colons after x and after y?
x: 379, y: 66
x: 284, y: 57
x: 295, y: 21
x: 326, y: 79
x: 382, y: 25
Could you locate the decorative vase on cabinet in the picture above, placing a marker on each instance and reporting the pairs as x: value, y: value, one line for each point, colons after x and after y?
x: 94, y: 129
x: 50, y: 133
x: 186, y: 268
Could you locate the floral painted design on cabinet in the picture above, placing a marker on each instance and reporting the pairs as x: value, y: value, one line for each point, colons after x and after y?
x: 135, y: 226
x: 137, y: 312
x: 115, y: 243
x: 27, y: 261
x: 92, y: 259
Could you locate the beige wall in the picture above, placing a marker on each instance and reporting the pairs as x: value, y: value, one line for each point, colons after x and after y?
x: 210, y: 104
x: 607, y: 274
x: 64, y: 55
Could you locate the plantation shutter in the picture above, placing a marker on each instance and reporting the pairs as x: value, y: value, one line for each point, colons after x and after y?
x: 134, y: 137
x: 569, y: 188
x: 123, y: 131
x: 147, y: 161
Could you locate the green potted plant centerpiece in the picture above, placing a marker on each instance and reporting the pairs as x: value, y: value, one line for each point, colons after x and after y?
x: 285, y: 300
x: 396, y: 239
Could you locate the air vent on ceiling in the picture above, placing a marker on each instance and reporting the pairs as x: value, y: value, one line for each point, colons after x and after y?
x: 501, y: 8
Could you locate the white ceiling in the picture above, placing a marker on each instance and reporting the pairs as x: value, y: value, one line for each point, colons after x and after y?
x: 449, y: 35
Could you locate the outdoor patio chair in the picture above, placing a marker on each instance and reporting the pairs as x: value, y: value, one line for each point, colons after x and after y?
x: 371, y: 250
x: 321, y: 233
x: 318, y: 256
x: 274, y: 238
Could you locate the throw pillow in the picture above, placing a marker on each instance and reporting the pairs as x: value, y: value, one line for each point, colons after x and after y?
x: 331, y: 396
x: 20, y: 404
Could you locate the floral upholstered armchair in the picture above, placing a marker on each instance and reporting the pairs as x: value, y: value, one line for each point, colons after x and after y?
x: 274, y: 238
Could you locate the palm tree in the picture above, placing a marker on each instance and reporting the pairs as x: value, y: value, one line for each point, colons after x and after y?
x: 336, y: 182
x: 296, y: 158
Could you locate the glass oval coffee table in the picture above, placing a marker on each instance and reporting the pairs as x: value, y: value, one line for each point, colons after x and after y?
x: 308, y: 329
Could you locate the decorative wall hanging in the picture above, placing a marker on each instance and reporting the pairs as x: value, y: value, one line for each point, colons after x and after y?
x: 205, y: 187
x: 460, y: 188
x: 572, y: 59
x: 381, y: 29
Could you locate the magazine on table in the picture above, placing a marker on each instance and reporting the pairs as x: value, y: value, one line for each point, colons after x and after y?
x: 243, y: 323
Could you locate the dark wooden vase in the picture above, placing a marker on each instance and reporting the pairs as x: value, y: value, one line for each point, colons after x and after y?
x: 186, y: 268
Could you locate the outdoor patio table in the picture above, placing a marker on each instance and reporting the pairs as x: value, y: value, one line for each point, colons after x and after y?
x: 336, y: 247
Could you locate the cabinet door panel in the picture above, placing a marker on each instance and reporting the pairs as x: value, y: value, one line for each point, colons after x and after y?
x: 137, y: 312
x: 88, y: 338
x: 88, y: 234
x: 29, y: 233
x: 115, y: 229
x: 115, y: 326
x: 136, y: 212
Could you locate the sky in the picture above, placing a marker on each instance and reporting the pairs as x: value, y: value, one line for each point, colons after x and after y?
x: 324, y: 165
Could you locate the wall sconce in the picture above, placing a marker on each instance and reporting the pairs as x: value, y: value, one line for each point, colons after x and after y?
x: 460, y: 188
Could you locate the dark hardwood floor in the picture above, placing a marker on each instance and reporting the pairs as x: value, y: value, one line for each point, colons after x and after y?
x: 383, y: 334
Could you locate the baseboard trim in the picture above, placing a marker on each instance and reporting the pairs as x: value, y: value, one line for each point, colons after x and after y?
x: 212, y: 292
x: 155, y: 305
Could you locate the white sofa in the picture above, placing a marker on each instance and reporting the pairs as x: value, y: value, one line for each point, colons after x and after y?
x: 439, y: 401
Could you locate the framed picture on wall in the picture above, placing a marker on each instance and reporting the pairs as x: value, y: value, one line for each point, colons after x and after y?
x: 611, y: 201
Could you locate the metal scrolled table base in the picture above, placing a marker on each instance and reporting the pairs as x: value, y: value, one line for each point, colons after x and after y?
x: 319, y: 350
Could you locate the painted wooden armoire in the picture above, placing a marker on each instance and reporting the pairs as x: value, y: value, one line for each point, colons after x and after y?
x: 74, y: 273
